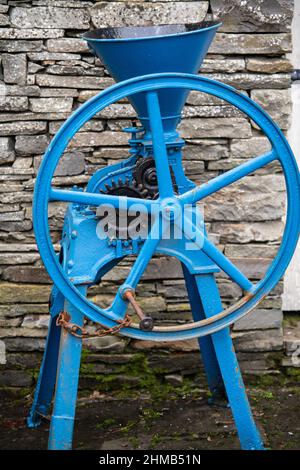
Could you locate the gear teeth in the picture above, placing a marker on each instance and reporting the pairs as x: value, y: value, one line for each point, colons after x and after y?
x: 131, y: 185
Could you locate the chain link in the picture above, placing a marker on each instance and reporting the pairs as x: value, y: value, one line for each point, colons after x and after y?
x: 63, y: 320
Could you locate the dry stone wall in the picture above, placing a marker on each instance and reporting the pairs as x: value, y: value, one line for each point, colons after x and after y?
x: 46, y: 71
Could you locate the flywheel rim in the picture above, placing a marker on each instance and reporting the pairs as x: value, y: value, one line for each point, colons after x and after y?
x: 155, y: 82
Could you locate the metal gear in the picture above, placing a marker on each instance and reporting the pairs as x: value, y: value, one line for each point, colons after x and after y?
x: 116, y: 228
x: 125, y: 188
x: 145, y: 175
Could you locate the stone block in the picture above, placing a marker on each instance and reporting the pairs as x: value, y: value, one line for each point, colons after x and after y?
x: 67, y: 45
x: 7, y: 45
x: 23, y: 293
x: 6, y: 144
x: 19, y: 310
x: 175, y: 380
x: 95, y: 139
x: 36, y: 321
x: 12, y: 216
x: 224, y: 64
x: 15, y: 378
x: 49, y: 17
x: 14, y: 103
x: 31, y: 145
x: 198, y: 98
x: 160, y: 268
x: 58, y: 92
x: 14, y: 68
x: 18, y: 258
x: 117, y: 111
x: 79, y: 68
x: 219, y: 127
x: 254, y: 199
x: 254, y: 16
x: 137, y: 13
x: 176, y: 290
x: 248, y: 148
x: 170, y: 363
x: 30, y: 33
x: 16, y: 197
x: 249, y: 232
x: 268, y: 65
x: 45, y: 56
x: 16, y: 90
x: 30, y: 274
x: 23, y: 128
x: 229, y: 290
x: 23, y: 226
x: 206, y: 150
x: 25, y: 344
x: 4, y: 20
x: 27, y: 361
x: 249, y: 81
x: 6, y: 157
x: 106, y: 343
x: 210, y: 111
x: 251, y: 250
x: 107, y: 153
x: 258, y: 341
x: 56, y: 105
x: 97, y: 83
x: 244, y: 44
x: 152, y: 304
x: 277, y: 103
x: 183, y: 346
x: 260, y: 319
x: 193, y: 168
x: 22, y: 332
x: 71, y: 163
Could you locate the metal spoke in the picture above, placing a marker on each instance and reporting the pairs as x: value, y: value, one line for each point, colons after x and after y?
x: 164, y: 179
x: 214, y: 185
x: 92, y: 199
x: 137, y: 269
x: 226, y: 265
x: 216, y: 255
x: 144, y: 256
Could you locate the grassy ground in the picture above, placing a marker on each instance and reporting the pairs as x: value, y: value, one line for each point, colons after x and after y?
x: 172, y: 418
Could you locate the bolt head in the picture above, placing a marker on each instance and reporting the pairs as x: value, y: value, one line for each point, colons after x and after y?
x: 147, y: 324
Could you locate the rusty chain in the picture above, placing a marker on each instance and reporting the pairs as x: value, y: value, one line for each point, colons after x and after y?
x: 63, y: 320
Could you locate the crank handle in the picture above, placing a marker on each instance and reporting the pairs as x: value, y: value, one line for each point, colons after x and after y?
x: 146, y: 323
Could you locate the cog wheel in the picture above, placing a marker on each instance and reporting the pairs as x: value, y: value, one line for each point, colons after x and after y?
x: 121, y: 224
x: 145, y: 174
x: 125, y: 188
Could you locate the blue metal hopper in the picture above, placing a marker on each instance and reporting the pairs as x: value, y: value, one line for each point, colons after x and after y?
x: 135, y: 51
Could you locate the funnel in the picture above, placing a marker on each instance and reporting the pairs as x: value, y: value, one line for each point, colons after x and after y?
x: 129, y: 52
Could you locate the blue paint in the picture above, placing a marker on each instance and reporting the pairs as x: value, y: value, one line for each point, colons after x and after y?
x: 43, y: 192
x: 47, y: 376
x: 130, y: 57
x: 158, y: 99
x: 68, y: 364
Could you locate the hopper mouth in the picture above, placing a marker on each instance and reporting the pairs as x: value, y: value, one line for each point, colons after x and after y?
x: 135, y: 51
x: 144, y: 32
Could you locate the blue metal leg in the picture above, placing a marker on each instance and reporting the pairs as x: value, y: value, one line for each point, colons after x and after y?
x: 46, y: 381
x: 211, y: 366
x: 247, y: 431
x: 62, y: 421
